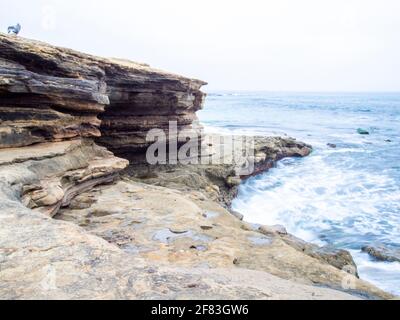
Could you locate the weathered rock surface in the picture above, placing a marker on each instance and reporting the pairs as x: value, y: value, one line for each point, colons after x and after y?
x: 47, y: 176
x: 49, y: 93
x: 167, y: 227
x: 221, y: 167
x: 340, y: 259
x: 103, y: 255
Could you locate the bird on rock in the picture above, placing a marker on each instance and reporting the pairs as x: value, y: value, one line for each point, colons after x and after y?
x: 14, y: 29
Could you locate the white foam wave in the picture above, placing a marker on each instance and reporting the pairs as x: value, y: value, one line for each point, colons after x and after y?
x: 382, y: 274
x: 305, y: 199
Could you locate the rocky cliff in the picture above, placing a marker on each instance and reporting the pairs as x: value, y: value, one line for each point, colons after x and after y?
x: 53, y: 94
x: 77, y: 223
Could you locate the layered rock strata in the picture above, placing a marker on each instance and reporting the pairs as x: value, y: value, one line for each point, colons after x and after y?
x: 51, y: 94
x: 48, y: 176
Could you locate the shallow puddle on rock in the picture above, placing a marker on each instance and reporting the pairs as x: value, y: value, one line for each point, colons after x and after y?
x: 211, y: 214
x: 259, y: 240
x: 166, y: 236
x: 130, y: 248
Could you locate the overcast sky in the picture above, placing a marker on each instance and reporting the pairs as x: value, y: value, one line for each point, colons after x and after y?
x: 289, y: 45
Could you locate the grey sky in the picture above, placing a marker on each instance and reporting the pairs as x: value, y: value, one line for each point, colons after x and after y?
x: 293, y: 45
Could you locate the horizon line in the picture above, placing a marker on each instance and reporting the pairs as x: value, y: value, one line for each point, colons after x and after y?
x: 302, y: 91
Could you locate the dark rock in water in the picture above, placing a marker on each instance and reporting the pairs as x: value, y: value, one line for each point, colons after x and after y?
x: 362, y: 131
x: 382, y: 253
x: 332, y: 145
x: 388, y: 140
x: 340, y: 259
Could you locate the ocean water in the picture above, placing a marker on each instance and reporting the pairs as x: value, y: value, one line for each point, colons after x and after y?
x: 346, y: 197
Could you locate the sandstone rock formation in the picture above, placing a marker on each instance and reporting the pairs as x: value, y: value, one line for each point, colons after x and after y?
x: 72, y: 228
x: 225, y: 166
x: 50, y: 175
x: 51, y: 94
